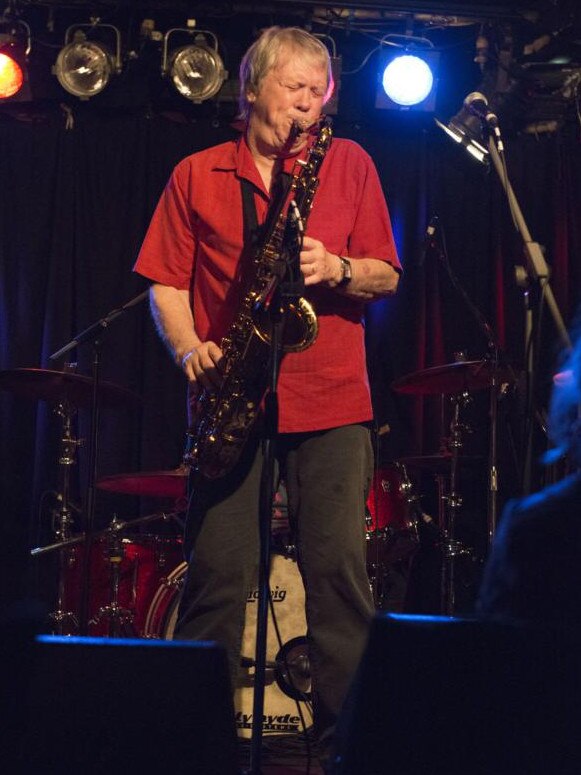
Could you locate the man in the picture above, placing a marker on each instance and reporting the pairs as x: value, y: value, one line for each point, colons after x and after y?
x: 192, y: 253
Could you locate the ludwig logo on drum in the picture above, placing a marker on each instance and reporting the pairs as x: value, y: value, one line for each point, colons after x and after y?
x: 277, y: 595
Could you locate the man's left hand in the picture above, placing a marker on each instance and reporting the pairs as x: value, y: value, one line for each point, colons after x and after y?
x: 318, y: 265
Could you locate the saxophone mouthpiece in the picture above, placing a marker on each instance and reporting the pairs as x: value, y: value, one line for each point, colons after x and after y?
x: 300, y: 127
x: 297, y: 129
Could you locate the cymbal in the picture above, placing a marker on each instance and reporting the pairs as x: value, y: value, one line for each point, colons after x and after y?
x: 450, y: 378
x: 438, y: 462
x: 56, y: 386
x: 153, y: 484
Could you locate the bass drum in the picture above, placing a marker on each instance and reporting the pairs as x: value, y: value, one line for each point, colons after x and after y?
x: 287, y: 663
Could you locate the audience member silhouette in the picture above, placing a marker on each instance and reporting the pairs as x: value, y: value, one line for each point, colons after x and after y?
x: 533, y: 572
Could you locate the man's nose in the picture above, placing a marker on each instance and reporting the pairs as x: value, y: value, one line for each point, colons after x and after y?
x: 304, y: 100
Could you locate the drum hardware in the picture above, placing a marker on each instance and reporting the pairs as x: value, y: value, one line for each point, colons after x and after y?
x: 117, y: 618
x: 61, y: 618
x: 117, y: 525
x: 451, y: 504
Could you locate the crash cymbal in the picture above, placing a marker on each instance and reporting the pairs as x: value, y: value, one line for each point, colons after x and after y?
x: 62, y: 386
x: 153, y: 484
x: 450, y: 378
x: 438, y: 462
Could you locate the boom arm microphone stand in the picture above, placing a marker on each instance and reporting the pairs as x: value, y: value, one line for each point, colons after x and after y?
x: 539, y: 273
x: 93, y: 334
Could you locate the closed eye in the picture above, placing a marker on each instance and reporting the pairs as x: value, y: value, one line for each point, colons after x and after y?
x: 315, y: 91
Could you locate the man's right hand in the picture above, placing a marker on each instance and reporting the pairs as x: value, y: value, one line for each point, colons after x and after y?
x: 203, y: 365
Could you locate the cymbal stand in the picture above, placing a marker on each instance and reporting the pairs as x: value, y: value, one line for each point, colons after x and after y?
x: 451, y: 547
x: 119, y: 619
x: 63, y: 521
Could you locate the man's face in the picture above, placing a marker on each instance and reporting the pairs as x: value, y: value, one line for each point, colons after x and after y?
x: 292, y: 92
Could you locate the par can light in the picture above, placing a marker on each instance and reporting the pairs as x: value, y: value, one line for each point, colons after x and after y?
x: 11, y: 76
x: 83, y: 68
x: 196, y: 70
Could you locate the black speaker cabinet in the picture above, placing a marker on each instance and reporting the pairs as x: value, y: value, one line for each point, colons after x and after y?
x: 100, y: 705
x: 439, y: 696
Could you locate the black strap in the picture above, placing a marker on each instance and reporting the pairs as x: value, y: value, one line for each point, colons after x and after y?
x: 280, y: 190
x: 250, y: 219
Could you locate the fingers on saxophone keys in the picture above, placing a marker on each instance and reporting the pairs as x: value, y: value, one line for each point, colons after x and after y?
x: 210, y: 379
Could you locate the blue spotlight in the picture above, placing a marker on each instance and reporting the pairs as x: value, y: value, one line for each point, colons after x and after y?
x: 408, y: 81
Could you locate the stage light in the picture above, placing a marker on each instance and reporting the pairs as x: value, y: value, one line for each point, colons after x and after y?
x: 408, y: 79
x: 84, y: 67
x: 14, y: 51
x: 11, y: 76
x: 196, y: 70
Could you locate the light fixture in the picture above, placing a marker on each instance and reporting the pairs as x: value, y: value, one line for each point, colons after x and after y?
x: 84, y: 67
x: 408, y: 77
x: 13, y: 56
x: 196, y: 70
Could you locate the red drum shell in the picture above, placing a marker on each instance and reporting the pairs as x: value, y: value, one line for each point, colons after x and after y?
x: 388, y: 502
x: 145, y: 561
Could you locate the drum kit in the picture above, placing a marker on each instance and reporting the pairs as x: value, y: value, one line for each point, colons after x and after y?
x: 135, y: 578
x: 395, y: 515
x: 125, y: 567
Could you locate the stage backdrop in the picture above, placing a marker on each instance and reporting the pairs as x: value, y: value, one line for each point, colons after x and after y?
x: 75, y: 203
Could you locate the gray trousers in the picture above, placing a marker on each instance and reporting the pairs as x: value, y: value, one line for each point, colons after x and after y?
x: 327, y: 475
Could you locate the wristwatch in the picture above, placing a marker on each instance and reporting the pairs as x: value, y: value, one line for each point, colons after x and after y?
x: 346, y: 272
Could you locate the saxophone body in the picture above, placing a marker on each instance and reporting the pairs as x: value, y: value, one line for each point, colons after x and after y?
x: 222, y: 419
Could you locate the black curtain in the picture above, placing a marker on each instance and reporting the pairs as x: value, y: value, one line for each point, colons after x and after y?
x: 75, y: 204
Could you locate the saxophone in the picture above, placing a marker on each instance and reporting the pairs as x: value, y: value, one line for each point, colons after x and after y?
x: 223, y: 418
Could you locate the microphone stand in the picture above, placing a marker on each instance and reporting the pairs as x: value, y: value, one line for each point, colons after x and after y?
x: 539, y: 272
x: 285, y: 285
x: 92, y: 334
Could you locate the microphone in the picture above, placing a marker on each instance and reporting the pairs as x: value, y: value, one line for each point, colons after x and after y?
x: 477, y: 104
x: 429, y: 238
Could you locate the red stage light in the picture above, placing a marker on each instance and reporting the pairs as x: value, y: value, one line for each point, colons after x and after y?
x: 11, y: 77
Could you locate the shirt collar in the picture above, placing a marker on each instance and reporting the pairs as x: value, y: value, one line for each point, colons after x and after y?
x: 240, y: 160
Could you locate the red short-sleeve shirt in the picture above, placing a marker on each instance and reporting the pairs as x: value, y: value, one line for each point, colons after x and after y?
x: 195, y: 241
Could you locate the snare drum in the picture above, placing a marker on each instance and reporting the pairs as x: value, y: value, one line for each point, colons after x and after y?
x: 144, y: 562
